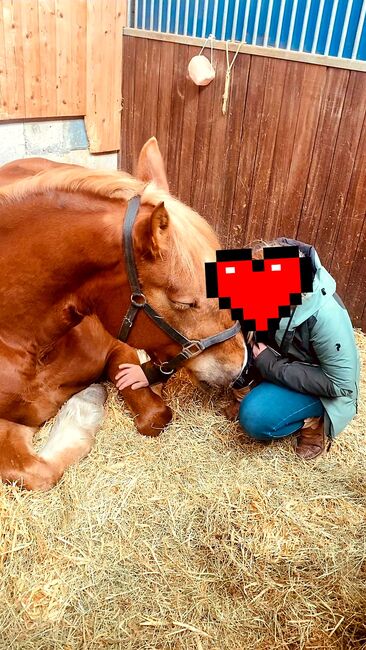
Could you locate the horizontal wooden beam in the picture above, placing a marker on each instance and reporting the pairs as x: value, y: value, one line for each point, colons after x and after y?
x: 272, y: 52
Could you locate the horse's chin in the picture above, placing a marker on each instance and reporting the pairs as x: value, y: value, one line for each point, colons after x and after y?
x: 203, y: 385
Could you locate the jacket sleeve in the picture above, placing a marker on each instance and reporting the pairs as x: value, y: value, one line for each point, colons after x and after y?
x: 331, y: 378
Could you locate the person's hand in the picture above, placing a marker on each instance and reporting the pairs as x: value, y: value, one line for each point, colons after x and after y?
x: 258, y: 348
x: 132, y: 375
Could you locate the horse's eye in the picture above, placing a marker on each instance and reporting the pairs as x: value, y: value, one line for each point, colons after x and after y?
x: 183, y: 305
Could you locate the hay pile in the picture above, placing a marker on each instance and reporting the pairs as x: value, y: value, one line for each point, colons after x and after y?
x: 199, y: 539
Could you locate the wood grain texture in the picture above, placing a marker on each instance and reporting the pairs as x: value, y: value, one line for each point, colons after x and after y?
x: 42, y: 58
x: 63, y: 58
x: 14, y: 62
x: 104, y: 73
x: 32, y: 59
x: 288, y: 159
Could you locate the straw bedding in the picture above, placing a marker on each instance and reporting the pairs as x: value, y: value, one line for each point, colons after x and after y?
x: 199, y: 539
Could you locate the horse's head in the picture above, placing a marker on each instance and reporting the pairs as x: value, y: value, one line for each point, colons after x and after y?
x: 172, y: 244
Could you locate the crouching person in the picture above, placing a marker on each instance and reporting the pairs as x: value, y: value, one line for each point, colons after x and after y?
x: 307, y: 371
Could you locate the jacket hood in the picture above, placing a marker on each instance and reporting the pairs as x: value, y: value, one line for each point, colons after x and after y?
x: 324, y: 286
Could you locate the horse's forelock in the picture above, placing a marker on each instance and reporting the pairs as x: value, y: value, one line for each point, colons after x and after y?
x: 193, y: 241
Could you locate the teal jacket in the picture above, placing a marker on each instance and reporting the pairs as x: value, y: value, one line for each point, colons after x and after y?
x: 316, y: 353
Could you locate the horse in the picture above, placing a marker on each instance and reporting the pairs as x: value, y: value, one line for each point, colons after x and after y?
x: 65, y: 288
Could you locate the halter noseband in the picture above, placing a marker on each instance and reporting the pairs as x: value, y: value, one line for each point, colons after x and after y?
x: 190, y: 347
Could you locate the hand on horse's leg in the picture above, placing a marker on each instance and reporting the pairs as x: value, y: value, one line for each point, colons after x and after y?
x: 150, y: 413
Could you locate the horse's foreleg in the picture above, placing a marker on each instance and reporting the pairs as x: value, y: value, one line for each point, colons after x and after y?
x: 73, y: 433
x: 18, y: 461
x: 150, y: 413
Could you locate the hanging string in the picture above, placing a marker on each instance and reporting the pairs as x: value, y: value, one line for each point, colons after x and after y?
x: 229, y: 66
x: 209, y: 38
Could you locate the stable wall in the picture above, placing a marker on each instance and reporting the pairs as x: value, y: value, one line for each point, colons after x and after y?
x: 62, y: 140
x: 288, y: 159
x: 62, y: 58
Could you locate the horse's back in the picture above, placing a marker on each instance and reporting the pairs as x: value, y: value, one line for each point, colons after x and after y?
x: 19, y: 169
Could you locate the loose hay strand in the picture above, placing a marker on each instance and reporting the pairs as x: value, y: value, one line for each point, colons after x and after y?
x: 199, y: 539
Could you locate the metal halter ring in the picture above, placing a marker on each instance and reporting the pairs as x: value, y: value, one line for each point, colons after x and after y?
x: 138, y: 299
x: 169, y: 372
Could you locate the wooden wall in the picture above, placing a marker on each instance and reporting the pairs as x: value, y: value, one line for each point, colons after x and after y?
x: 288, y: 159
x: 61, y: 58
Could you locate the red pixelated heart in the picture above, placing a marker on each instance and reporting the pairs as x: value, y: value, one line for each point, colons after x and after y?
x: 259, y: 292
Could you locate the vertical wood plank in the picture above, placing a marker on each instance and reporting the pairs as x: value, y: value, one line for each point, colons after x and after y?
x: 104, y: 70
x: 273, y: 93
x: 63, y: 57
x: 151, y: 86
x: 215, y: 149
x: 189, y: 122
x: 233, y: 149
x: 78, y: 56
x: 199, y: 196
x: 32, y: 59
x: 285, y: 141
x: 139, y: 131
x: 4, y: 111
x: 128, y: 97
x: 308, y: 116
x: 342, y: 165
x: 165, y: 96
x: 354, y: 294
x: 180, y: 62
x: 348, y: 262
x: 323, y: 152
x: 49, y: 54
x: 13, y: 47
x: 70, y: 57
x: 250, y: 133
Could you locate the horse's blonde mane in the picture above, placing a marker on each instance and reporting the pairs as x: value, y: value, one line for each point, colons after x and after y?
x: 112, y: 185
x: 192, y: 237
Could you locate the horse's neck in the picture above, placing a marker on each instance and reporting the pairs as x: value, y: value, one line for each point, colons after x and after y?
x: 54, y: 255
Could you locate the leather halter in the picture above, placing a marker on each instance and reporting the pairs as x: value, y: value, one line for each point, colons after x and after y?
x: 190, y: 347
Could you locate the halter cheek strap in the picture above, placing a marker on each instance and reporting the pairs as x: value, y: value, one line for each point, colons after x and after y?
x: 190, y: 347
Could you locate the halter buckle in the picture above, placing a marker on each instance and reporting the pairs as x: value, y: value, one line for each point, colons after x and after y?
x: 138, y: 299
x: 193, y: 349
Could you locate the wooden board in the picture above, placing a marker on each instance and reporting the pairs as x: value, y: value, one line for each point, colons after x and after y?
x: 42, y: 58
x: 63, y: 58
x: 105, y: 20
x: 288, y: 158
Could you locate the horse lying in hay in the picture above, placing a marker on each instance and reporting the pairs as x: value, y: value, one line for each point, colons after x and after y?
x: 68, y: 276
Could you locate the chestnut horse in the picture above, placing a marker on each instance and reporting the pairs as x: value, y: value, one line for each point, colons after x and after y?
x: 64, y: 293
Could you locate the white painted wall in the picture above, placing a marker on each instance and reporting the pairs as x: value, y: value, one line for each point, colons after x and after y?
x: 60, y: 140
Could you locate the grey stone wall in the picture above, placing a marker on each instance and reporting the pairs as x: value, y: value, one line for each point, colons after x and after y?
x: 63, y: 140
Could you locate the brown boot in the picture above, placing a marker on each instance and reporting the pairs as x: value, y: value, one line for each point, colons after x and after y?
x: 312, y: 441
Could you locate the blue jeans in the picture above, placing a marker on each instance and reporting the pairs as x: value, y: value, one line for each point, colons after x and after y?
x: 270, y: 412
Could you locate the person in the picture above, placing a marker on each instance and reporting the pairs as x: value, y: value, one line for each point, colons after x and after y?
x: 303, y: 378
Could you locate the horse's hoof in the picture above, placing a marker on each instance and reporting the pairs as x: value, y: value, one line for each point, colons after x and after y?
x: 154, y: 423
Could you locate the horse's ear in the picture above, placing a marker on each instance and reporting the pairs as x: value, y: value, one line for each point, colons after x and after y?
x: 150, y: 166
x: 159, y: 226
